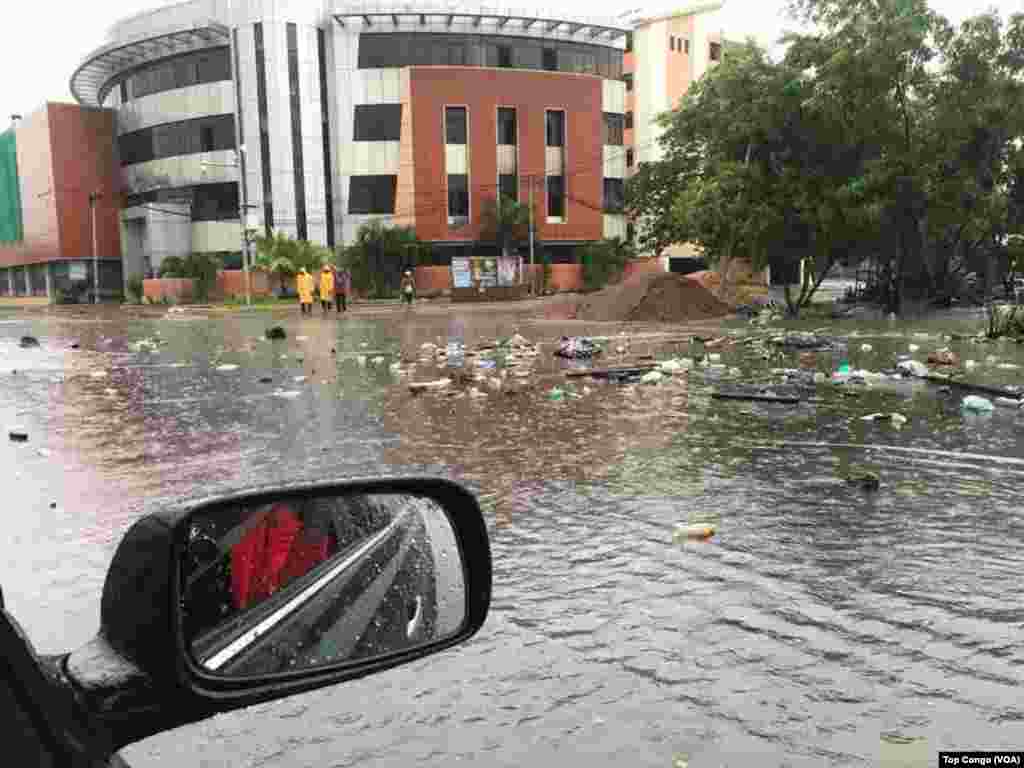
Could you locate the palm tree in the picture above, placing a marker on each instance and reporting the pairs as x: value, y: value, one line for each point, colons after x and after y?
x: 277, y: 255
x: 504, y: 222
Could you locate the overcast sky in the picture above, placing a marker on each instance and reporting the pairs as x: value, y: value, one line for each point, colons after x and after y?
x: 42, y: 41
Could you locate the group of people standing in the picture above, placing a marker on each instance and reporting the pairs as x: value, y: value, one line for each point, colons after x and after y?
x: 335, y: 285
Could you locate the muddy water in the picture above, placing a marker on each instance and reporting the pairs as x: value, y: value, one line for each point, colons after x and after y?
x: 822, y: 625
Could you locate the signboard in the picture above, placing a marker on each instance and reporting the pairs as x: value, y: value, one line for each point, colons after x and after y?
x: 462, y: 276
x: 486, y: 270
x: 509, y: 270
x: 77, y: 271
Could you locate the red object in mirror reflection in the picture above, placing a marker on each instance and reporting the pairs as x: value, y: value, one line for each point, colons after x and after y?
x: 273, y: 553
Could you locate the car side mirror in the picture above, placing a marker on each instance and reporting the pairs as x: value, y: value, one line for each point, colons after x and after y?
x: 261, y: 595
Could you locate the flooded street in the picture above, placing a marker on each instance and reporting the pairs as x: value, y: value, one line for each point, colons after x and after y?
x: 823, y: 625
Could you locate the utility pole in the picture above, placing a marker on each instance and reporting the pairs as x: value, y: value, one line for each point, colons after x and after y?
x: 243, y: 212
x: 93, y: 197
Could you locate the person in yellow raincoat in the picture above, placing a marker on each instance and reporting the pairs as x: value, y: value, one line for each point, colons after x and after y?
x: 326, y: 288
x: 304, y: 286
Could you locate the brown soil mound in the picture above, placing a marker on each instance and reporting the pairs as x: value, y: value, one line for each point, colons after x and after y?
x: 653, y: 297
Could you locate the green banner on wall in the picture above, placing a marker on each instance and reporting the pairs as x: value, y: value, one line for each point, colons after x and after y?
x: 10, y: 192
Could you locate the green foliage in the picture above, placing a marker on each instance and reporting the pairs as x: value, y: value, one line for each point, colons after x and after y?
x: 135, y: 291
x: 885, y: 133
x: 201, y: 268
x: 604, y: 261
x: 504, y: 222
x: 283, y: 255
x: 378, y: 257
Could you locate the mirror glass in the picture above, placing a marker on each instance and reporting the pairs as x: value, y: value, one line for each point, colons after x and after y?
x: 307, y: 582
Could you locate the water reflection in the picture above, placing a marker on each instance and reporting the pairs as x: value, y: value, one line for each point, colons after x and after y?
x: 819, y: 616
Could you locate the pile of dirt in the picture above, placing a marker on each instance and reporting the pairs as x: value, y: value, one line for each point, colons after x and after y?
x: 653, y: 297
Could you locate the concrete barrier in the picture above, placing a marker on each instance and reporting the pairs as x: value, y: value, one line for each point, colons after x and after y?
x: 230, y: 283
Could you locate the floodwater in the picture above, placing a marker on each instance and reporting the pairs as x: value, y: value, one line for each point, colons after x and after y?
x: 823, y: 625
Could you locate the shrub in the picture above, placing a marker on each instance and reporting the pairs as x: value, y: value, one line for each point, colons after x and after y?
x: 603, y: 262
x: 135, y: 291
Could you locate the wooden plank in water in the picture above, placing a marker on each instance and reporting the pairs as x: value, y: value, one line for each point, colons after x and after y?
x: 982, y: 388
x: 599, y: 373
x: 756, y: 397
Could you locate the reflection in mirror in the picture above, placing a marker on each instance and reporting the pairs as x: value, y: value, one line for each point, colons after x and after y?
x: 309, y: 582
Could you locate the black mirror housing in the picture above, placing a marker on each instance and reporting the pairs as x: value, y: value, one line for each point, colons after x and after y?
x: 143, y: 637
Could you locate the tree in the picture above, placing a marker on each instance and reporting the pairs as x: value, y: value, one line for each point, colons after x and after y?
x: 379, y: 255
x: 604, y: 261
x: 201, y: 268
x: 277, y: 254
x: 504, y: 222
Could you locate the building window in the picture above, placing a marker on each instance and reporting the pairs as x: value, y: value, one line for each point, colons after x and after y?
x: 549, y: 60
x: 628, y: 80
x: 629, y: 42
x: 629, y: 120
x: 326, y: 136
x: 403, y: 49
x: 629, y: 158
x: 455, y: 125
x: 715, y: 51
x: 556, y: 197
x: 506, y: 126
x: 458, y: 198
x: 686, y: 46
x: 188, y: 137
x: 377, y: 122
x: 208, y: 66
x: 372, y: 194
x: 298, y: 161
x: 264, y: 125
x: 508, y: 186
x: 614, y: 124
x: 554, y: 128
x: 614, y: 196
x: 215, y: 202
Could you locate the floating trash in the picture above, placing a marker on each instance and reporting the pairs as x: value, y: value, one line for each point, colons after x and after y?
x: 276, y: 332
x: 424, y: 386
x: 18, y: 434
x: 866, y: 348
x: 652, y: 377
x: 227, y: 367
x: 975, y: 404
x: 896, y: 419
x: 299, y: 379
x: 556, y: 394
x: 28, y: 341
x: 693, y: 533
x: 913, y: 348
x: 99, y: 374
x: 302, y: 338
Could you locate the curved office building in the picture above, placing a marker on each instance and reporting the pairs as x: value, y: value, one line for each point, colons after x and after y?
x: 416, y: 113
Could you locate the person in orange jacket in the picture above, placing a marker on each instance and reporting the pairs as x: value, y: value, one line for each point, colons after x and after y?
x: 304, y: 287
x: 326, y: 288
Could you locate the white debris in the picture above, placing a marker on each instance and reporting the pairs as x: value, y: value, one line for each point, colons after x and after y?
x: 422, y: 386
x: 866, y: 348
x: 970, y: 364
x: 227, y: 367
x: 302, y: 338
x: 378, y: 360
x: 99, y: 374
x: 474, y: 392
x: 819, y: 377
x: 1008, y: 366
x: 975, y: 404
x: 714, y: 357
x: 299, y: 379
x: 652, y: 377
x: 913, y: 368
x: 913, y: 347
x: 287, y: 394
x: 361, y: 359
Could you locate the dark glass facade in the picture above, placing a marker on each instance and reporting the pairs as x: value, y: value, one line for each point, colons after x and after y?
x: 614, y: 127
x: 298, y: 161
x: 614, y: 195
x: 403, y: 49
x: 208, y: 66
x: 377, y: 122
x: 261, y: 105
x: 325, y: 113
x: 188, y: 137
x: 554, y: 128
x: 556, y: 196
x: 506, y: 125
x: 372, y: 194
x: 207, y: 202
x: 458, y: 196
x: 508, y: 185
x: 455, y: 128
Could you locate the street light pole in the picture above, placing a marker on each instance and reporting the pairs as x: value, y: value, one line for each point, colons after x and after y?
x: 530, y: 178
x: 243, y: 212
x: 93, y: 197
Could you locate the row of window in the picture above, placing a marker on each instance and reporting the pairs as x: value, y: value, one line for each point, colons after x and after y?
x: 377, y: 195
x: 403, y: 49
x: 207, y: 202
x: 207, y: 66
x: 678, y: 44
x: 188, y: 137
